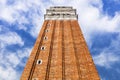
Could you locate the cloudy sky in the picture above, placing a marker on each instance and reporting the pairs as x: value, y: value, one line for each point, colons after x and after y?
x: 21, y: 20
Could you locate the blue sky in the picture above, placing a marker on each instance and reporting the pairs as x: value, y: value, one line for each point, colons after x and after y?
x: 21, y: 21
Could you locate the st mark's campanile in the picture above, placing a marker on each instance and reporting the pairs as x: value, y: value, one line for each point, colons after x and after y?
x: 60, y: 51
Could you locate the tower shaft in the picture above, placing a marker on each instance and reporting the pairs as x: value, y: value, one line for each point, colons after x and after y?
x: 60, y: 52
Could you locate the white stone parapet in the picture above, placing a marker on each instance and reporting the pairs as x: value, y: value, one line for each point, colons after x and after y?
x: 61, y: 13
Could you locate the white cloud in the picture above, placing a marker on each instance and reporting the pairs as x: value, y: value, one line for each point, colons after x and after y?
x: 7, y: 14
x: 106, y: 59
x: 10, y: 38
x: 24, y: 52
x: 22, y: 27
x: 3, y: 1
x: 10, y: 61
x: 110, y: 55
x: 13, y: 59
x: 10, y: 13
x: 34, y: 11
x: 8, y: 74
x: 37, y: 23
x: 91, y: 17
x: 59, y: 1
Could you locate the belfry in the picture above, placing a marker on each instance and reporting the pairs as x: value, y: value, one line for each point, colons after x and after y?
x: 60, y: 51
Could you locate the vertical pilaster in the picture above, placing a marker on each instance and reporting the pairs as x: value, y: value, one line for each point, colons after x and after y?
x: 56, y: 59
x: 86, y: 64
x: 40, y: 69
x: 71, y: 71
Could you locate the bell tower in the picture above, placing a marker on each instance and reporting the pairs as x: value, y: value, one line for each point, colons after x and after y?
x: 60, y: 51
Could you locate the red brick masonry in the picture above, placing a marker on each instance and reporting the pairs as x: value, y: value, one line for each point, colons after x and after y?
x: 65, y: 55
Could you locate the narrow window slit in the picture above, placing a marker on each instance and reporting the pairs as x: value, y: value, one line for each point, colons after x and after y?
x: 45, y: 38
x: 34, y: 78
x: 46, y: 30
x: 39, y: 61
x: 42, y: 48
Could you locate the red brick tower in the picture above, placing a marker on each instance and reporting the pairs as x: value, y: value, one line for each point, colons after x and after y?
x: 60, y: 51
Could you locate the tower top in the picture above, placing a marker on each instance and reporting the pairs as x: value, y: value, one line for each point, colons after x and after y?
x: 61, y: 13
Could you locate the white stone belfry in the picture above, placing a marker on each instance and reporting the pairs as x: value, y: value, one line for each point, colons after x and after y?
x: 61, y: 13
